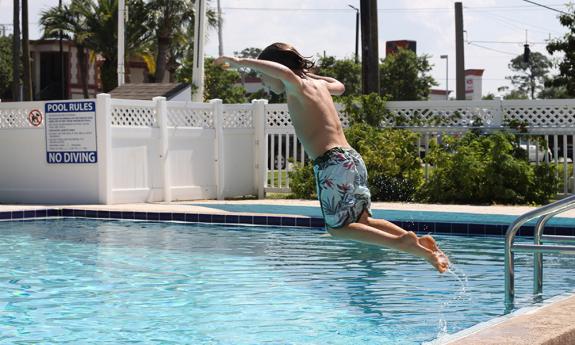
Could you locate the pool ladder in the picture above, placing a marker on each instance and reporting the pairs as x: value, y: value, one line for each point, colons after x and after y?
x: 544, y: 214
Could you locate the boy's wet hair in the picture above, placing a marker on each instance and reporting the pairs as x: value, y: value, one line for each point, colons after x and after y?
x: 286, y: 55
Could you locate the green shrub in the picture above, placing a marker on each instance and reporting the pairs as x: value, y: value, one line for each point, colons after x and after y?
x: 302, y: 181
x: 392, y: 161
x: 485, y: 169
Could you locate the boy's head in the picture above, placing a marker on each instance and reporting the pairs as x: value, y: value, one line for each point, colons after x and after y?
x: 286, y: 55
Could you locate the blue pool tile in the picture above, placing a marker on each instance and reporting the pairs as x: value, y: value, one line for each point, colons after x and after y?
x: 91, y: 214
x: 409, y: 226
x: 246, y: 220
x: 103, y: 214
x: 563, y: 231
x: 141, y: 215
x: 260, y: 220
x: 443, y: 228
x: 79, y: 213
x: 179, y: 217
x: 491, y: 229
x: 288, y: 221
x: 127, y: 215
x: 525, y: 231
x: 17, y: 214
x: 67, y: 212
x: 316, y: 222
x: 476, y: 229
x: 303, y: 222
x: 218, y: 218
x: 192, y: 217
x: 29, y: 214
x: 115, y: 215
x: 54, y: 213
x: 459, y: 228
x: 40, y: 213
x: 425, y: 227
x: 275, y: 221
x: 165, y: 216
x: 153, y: 216
x: 204, y: 218
x: 5, y: 215
x: 232, y: 219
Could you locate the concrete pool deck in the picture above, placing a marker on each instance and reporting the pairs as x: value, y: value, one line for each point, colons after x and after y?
x: 549, y: 324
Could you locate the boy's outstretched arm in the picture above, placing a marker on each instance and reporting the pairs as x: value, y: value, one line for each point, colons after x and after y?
x: 334, y: 86
x: 270, y: 68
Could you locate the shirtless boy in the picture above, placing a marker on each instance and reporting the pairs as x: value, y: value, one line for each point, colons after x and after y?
x: 340, y: 173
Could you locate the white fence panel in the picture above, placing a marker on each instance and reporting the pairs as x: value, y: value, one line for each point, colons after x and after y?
x: 25, y: 175
x: 238, y: 150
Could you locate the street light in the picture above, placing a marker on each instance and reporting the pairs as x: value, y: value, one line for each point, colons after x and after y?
x: 446, y: 76
x: 356, y: 32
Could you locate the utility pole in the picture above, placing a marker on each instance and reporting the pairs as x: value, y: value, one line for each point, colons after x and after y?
x: 16, y: 85
x: 356, y: 32
x: 459, y: 54
x: 369, y: 47
x: 198, y: 68
x: 220, y: 38
x: 121, y: 70
x: 61, y: 56
x: 26, y: 53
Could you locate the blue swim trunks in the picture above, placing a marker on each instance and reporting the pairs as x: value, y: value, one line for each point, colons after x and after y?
x: 341, y: 182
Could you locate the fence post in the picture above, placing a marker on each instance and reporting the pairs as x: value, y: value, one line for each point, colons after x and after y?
x: 498, y: 116
x: 219, y: 147
x: 260, y: 146
x: 104, y: 142
x: 162, y: 114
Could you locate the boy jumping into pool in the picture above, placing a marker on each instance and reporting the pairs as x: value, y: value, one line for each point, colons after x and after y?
x: 340, y: 172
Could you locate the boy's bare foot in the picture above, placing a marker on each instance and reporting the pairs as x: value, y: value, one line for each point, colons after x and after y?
x: 425, y: 247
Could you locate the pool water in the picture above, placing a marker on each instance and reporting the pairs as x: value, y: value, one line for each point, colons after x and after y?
x: 117, y: 282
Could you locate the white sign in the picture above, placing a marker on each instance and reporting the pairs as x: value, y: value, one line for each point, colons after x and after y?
x: 71, y: 132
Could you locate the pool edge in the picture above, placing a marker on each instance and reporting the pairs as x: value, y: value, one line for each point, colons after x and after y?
x: 549, y: 323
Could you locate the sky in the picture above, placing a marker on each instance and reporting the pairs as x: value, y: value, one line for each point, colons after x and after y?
x: 495, y: 30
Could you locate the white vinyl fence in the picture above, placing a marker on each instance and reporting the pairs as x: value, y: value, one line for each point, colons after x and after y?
x: 154, y: 151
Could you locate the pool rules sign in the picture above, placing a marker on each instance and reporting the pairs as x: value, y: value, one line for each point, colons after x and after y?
x: 71, y: 132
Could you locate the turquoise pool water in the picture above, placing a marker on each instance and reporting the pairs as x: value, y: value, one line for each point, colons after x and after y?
x: 73, y: 281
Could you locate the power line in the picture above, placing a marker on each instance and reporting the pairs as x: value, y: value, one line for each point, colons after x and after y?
x: 389, y: 9
x: 545, y: 6
x: 506, y: 42
x: 492, y: 49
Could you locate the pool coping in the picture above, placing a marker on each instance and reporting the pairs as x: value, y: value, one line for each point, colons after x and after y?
x: 548, y: 322
x: 215, y: 216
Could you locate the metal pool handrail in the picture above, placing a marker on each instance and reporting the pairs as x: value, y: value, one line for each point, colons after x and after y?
x: 544, y: 213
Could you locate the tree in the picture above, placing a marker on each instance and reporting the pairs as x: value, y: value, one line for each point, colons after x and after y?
x: 93, y: 25
x: 566, y: 46
x: 513, y: 94
x: 530, y: 76
x: 5, y: 66
x: 173, y: 23
x: 218, y: 82
x: 404, y: 76
x: 347, y: 71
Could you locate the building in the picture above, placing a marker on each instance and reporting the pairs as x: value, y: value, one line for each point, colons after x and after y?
x: 473, y: 84
x: 392, y: 46
x: 47, y: 71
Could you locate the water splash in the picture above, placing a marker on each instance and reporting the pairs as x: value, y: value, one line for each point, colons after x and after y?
x: 459, y: 294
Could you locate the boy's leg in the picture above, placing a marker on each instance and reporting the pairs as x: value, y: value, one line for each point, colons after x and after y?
x: 407, y: 242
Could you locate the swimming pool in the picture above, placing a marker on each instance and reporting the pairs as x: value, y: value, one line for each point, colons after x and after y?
x: 94, y: 282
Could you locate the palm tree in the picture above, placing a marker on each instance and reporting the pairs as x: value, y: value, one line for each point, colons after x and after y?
x: 173, y: 21
x: 16, y: 53
x: 93, y: 25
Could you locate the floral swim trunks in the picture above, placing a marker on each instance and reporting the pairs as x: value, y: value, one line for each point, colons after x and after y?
x: 341, y: 182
